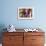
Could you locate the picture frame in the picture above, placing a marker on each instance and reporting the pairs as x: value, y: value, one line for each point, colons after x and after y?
x: 25, y: 13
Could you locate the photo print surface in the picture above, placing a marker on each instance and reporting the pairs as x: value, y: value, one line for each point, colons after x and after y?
x: 25, y: 13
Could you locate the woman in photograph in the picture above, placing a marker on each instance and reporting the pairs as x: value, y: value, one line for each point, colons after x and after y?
x: 28, y: 13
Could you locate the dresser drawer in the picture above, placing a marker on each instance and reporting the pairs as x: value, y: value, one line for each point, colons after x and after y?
x: 37, y: 39
x: 8, y: 45
x: 37, y: 44
x: 34, y: 33
x: 13, y: 44
x: 12, y: 39
x: 27, y: 41
x: 13, y: 33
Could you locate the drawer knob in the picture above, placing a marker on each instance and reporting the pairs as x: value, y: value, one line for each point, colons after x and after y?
x: 33, y: 39
x: 11, y: 38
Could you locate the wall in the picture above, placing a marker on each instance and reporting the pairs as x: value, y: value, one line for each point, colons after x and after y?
x: 9, y: 13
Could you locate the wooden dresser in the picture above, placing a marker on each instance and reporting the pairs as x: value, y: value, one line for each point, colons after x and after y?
x: 23, y: 38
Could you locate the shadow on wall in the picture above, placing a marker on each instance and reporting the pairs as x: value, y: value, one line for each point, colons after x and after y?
x: 2, y: 26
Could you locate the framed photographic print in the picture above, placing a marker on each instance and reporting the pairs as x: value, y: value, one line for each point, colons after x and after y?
x: 25, y: 12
